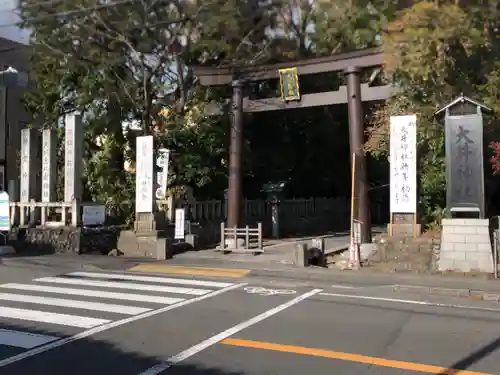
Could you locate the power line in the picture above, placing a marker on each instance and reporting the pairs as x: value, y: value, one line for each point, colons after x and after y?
x: 32, y: 5
x: 76, y: 12
x: 28, y: 6
x: 66, y: 13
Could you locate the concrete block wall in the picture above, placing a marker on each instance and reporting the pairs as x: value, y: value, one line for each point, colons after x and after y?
x: 465, y: 246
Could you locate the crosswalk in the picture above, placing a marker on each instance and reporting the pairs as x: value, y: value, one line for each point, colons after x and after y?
x: 50, y: 308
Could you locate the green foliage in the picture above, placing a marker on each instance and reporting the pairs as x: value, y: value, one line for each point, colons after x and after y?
x: 131, y: 61
x: 345, y: 26
x: 125, y: 62
x: 199, y: 144
x: 435, y: 51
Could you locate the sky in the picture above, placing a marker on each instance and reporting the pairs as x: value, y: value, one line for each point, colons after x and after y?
x: 9, y: 17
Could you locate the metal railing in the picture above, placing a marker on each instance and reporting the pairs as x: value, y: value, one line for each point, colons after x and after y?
x: 252, y: 238
x: 23, y: 213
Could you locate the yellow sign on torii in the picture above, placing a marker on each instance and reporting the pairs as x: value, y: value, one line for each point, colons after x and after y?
x: 289, y: 84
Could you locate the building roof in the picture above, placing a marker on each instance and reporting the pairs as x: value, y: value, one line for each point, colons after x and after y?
x: 14, y: 54
x: 461, y: 99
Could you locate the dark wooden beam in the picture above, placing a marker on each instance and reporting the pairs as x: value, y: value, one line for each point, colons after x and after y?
x: 368, y: 94
x: 367, y: 58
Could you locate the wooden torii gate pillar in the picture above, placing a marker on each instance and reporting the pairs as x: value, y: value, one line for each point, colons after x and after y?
x: 353, y: 93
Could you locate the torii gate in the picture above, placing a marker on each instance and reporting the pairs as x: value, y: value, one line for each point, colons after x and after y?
x: 354, y: 93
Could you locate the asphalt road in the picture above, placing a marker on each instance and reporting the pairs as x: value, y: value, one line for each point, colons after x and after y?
x: 136, y: 324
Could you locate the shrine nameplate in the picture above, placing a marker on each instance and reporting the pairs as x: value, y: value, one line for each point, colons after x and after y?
x: 464, y: 162
x: 289, y: 84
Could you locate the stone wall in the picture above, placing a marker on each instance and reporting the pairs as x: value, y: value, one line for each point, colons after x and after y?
x: 67, y: 239
x: 465, y: 246
x: 300, y: 217
x: 98, y: 240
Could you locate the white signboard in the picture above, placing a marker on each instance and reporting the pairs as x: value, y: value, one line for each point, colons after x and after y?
x: 403, y: 164
x: 179, y: 224
x: 69, y: 159
x: 144, y: 174
x: 25, y: 164
x: 46, y: 167
x: 4, y: 212
x: 162, y: 161
x: 94, y: 214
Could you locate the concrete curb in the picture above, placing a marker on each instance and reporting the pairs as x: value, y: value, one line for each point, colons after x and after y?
x: 309, y: 274
x: 336, y: 250
x: 322, y: 275
x: 449, y: 292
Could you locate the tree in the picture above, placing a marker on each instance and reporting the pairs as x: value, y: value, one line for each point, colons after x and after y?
x: 128, y: 61
x: 104, y: 47
x: 124, y: 61
x: 435, y: 51
x: 342, y: 26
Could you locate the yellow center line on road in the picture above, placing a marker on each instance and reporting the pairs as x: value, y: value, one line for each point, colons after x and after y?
x: 192, y: 271
x: 408, y: 366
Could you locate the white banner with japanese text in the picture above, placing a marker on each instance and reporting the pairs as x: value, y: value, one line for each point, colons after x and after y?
x: 144, y: 174
x: 403, y: 164
x: 162, y: 161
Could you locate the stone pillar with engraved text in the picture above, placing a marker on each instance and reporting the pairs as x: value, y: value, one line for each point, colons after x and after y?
x: 29, y: 164
x: 29, y: 168
x: 73, y: 154
x: 73, y: 164
x: 147, y: 217
x: 49, y: 164
x: 148, y: 237
x: 465, y: 236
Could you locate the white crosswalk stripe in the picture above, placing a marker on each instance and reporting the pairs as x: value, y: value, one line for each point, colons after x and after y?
x: 85, y: 300
x: 152, y: 279
x: 75, y: 304
x: 119, y: 285
x: 54, y: 318
x: 94, y: 293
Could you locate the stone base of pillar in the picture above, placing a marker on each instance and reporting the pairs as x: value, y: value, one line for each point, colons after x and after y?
x: 465, y: 246
x: 403, y: 225
x: 147, y: 222
x: 148, y: 238
x: 152, y: 244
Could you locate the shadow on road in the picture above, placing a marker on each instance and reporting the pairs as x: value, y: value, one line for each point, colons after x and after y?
x: 92, y: 356
x: 472, y: 358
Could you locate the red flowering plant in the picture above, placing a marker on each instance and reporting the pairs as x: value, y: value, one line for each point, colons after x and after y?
x: 495, y: 158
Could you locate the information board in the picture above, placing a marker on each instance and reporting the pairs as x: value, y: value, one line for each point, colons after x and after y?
x: 179, y: 224
x: 4, y: 212
x: 94, y: 214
